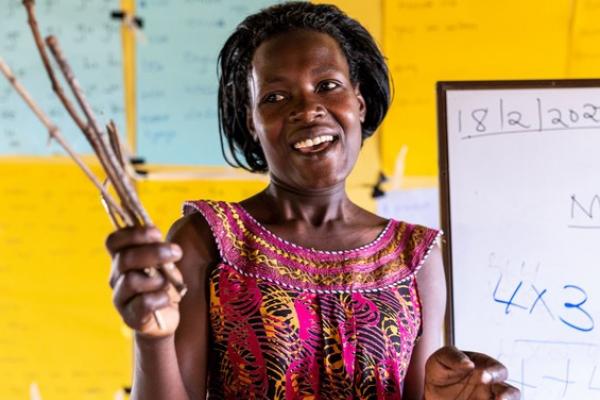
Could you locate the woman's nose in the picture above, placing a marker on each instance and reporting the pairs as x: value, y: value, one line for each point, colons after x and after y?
x: 307, y: 109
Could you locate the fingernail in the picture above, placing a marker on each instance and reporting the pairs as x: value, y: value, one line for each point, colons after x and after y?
x: 155, y: 234
x: 486, y: 377
x: 467, y: 362
x: 169, y: 266
x: 175, y: 250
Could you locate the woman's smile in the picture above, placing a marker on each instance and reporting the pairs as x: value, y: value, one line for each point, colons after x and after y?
x: 314, y: 145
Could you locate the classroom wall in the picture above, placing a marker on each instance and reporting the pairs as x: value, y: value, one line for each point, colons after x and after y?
x: 59, y: 328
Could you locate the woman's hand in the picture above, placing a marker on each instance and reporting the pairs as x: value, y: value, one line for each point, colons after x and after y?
x: 451, y: 374
x: 140, y: 292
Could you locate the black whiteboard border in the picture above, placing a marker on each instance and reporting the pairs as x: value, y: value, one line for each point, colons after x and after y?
x: 444, y: 176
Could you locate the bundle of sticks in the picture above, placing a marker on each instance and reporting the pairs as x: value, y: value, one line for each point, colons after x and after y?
x: 106, y: 145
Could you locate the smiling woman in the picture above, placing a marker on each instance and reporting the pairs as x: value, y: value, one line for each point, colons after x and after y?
x: 295, y: 292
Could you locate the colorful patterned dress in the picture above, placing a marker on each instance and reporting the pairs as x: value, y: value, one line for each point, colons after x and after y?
x: 289, y: 322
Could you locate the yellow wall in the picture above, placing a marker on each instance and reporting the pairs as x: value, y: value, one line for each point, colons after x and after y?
x: 58, y: 327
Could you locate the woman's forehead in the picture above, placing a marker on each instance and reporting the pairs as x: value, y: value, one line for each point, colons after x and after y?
x: 310, y: 51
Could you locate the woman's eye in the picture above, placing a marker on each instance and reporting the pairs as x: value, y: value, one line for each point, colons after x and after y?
x: 328, y: 85
x: 273, y: 98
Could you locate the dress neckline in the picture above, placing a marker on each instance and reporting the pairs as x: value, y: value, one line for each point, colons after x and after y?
x: 276, y: 237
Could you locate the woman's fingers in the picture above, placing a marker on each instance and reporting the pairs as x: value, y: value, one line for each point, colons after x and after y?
x: 144, y: 298
x: 504, y: 391
x: 131, y: 236
x: 133, y: 283
x: 149, y: 255
x: 491, y: 370
x: 138, y: 311
x: 448, y: 366
x: 451, y: 373
x: 142, y: 257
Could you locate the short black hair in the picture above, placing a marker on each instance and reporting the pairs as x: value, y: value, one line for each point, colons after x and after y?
x: 366, y: 64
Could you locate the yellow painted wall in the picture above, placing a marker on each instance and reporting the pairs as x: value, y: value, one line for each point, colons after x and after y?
x: 58, y: 328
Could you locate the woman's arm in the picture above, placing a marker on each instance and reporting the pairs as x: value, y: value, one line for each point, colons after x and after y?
x: 449, y: 373
x: 431, y: 285
x: 192, y: 335
x: 170, y: 363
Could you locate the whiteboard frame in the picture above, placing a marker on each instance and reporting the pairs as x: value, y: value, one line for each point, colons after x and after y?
x: 443, y: 87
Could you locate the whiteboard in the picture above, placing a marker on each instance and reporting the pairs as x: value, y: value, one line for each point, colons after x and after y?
x: 177, y: 77
x: 91, y: 41
x: 520, y: 189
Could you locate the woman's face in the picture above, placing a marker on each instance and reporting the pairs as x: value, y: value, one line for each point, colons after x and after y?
x: 304, y: 110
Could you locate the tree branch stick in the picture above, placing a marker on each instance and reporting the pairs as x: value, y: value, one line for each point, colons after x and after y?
x: 115, y: 143
x: 56, y: 87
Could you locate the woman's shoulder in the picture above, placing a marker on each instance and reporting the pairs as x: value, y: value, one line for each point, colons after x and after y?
x: 193, y: 234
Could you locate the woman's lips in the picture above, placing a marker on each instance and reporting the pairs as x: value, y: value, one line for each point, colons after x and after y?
x: 306, y: 148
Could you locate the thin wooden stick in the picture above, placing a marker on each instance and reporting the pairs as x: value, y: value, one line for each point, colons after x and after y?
x: 119, y: 179
x: 56, y: 87
x: 107, y: 200
x: 55, y: 134
x: 115, y: 143
x: 109, y: 209
x: 120, y: 150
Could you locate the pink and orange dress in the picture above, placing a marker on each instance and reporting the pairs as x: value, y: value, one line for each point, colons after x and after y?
x: 289, y: 322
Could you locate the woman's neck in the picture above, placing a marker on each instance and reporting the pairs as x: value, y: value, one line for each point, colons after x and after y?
x: 314, y: 207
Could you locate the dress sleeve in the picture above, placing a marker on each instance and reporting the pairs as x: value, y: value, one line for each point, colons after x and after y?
x: 215, y: 215
x: 421, y: 242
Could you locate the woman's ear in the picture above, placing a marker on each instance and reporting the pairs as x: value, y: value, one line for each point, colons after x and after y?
x: 250, y: 124
x: 361, y: 103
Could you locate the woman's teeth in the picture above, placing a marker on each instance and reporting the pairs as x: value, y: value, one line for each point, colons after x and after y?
x: 313, y: 142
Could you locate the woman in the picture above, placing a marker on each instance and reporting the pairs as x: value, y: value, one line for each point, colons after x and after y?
x: 295, y: 292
